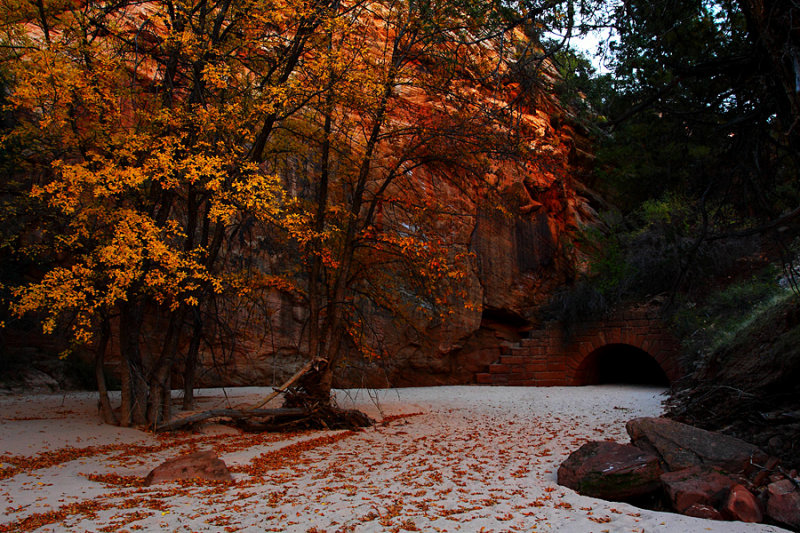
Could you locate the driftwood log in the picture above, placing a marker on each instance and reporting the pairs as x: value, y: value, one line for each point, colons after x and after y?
x: 233, y: 414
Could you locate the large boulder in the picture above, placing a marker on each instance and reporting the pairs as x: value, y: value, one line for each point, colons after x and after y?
x: 611, y: 471
x: 783, y: 503
x: 681, y: 446
x: 695, y: 486
x: 201, y: 465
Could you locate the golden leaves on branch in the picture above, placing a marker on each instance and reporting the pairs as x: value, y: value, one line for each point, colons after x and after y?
x: 136, y: 255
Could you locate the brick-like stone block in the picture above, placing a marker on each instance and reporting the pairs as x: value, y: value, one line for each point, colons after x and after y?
x: 670, y: 345
x: 552, y: 376
x: 483, y: 378
x: 628, y: 336
x: 537, y: 350
x: 549, y: 383
x: 657, y: 346
x: 512, y: 359
x: 540, y: 366
x: 499, y: 369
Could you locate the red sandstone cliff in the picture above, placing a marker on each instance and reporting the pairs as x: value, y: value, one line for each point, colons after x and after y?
x: 522, y: 249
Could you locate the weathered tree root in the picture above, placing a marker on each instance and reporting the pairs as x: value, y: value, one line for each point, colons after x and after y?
x: 322, y: 414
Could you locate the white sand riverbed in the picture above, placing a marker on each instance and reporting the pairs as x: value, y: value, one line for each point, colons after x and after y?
x: 470, y: 459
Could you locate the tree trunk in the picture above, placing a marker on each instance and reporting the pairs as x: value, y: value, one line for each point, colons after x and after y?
x: 106, y: 410
x: 134, y: 384
x: 190, y: 368
x: 127, y: 393
x: 160, y: 403
x: 235, y: 414
x: 333, y: 330
x: 319, y: 384
x: 314, y: 292
x: 166, y: 398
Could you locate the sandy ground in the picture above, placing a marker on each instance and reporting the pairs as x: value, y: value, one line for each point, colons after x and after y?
x: 462, y: 459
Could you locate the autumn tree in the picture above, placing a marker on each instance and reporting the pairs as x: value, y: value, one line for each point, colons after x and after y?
x: 146, y: 125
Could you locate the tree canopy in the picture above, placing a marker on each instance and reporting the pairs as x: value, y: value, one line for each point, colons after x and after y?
x: 697, y: 138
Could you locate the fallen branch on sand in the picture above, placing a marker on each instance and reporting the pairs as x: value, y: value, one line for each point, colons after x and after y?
x: 233, y: 414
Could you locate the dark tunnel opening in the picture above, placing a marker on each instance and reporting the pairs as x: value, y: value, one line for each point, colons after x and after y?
x: 620, y: 364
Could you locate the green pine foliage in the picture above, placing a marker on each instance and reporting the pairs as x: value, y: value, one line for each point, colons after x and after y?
x: 695, y: 145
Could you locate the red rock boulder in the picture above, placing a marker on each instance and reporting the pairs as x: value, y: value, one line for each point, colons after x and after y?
x: 681, y: 446
x: 610, y: 471
x: 783, y: 503
x: 200, y: 465
x: 696, y: 486
x: 741, y: 505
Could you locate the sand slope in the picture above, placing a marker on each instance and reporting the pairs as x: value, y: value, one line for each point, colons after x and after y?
x: 462, y: 459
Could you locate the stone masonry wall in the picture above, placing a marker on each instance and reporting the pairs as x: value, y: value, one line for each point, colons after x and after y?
x: 549, y: 357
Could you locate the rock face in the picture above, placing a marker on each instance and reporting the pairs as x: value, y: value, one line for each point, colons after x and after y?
x: 611, y: 471
x: 682, y: 446
x: 30, y: 364
x: 201, y: 465
x: 520, y: 249
x: 783, y: 503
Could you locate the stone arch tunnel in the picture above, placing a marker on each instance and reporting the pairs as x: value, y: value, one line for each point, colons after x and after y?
x: 619, y: 363
x: 635, y: 346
